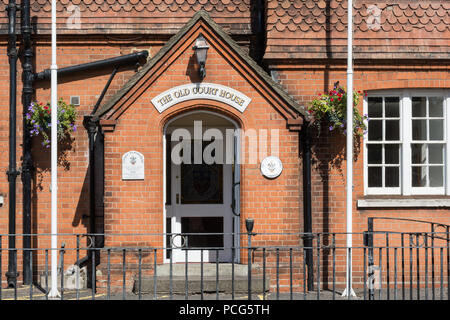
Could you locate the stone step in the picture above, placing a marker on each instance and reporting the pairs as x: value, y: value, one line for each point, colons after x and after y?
x: 194, y: 283
x: 209, y: 269
x: 210, y: 282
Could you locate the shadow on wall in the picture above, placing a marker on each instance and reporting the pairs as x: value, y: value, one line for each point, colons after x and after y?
x: 42, y: 158
x: 328, y: 155
x: 42, y: 165
x: 81, y: 214
x: 192, y: 69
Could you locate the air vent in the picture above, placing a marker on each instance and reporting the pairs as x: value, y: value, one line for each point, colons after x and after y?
x: 75, y: 100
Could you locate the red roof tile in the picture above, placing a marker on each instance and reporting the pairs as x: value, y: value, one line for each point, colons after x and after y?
x: 388, y: 22
x: 127, y: 16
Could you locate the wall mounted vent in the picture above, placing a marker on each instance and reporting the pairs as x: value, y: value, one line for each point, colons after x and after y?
x: 75, y: 100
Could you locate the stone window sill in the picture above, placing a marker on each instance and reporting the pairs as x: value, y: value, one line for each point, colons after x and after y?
x: 404, y: 203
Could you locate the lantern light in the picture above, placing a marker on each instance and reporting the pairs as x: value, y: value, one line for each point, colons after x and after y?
x: 201, y: 49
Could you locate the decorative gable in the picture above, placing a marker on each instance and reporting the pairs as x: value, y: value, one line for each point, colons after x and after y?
x: 227, y: 54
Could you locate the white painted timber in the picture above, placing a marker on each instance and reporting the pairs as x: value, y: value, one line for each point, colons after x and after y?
x: 403, y: 203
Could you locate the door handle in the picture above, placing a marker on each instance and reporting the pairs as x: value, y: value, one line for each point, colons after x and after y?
x: 177, y: 198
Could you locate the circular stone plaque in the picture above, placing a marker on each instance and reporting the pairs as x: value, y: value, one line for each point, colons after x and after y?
x: 271, y: 167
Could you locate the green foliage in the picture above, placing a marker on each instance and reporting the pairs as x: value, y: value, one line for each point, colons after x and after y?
x: 332, y: 108
x: 39, y: 120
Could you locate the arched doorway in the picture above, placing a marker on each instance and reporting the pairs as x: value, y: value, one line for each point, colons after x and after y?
x: 202, y: 187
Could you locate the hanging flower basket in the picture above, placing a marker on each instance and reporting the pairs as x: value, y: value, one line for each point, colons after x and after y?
x: 39, y: 120
x: 331, y: 109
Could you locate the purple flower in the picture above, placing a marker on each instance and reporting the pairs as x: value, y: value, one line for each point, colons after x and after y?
x: 330, y: 128
x: 74, y: 128
x: 28, y: 116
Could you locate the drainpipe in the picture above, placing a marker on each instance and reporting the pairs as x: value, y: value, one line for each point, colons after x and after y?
x: 12, y: 172
x: 307, y: 215
x: 27, y: 163
x: 91, y: 127
x: 137, y: 58
x: 259, y: 29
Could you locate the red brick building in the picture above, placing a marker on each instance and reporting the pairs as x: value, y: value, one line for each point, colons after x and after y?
x: 267, y: 60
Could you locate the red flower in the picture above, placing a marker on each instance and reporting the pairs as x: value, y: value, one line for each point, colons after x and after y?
x: 45, y: 107
x: 331, y: 99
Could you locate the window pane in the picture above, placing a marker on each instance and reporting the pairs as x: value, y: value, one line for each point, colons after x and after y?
x: 375, y: 177
x: 374, y: 153
x: 418, y: 153
x: 375, y: 107
x: 436, y: 129
x: 436, y: 176
x: 419, y: 106
x: 392, y: 107
x: 436, y: 153
x: 419, y: 129
x: 391, y: 154
x: 392, y: 130
x: 375, y: 130
x: 436, y: 105
x: 419, y: 176
x: 392, y: 176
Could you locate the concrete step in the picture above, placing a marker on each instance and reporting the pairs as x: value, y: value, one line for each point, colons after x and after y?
x: 209, y: 269
x: 223, y: 284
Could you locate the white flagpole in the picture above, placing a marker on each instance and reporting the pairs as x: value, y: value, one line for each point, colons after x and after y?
x: 54, y: 164
x: 348, y: 288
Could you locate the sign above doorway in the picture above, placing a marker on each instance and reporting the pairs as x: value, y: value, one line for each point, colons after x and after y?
x: 209, y: 91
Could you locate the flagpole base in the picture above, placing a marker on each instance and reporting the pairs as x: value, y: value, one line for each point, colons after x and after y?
x: 345, y: 293
x: 54, y: 294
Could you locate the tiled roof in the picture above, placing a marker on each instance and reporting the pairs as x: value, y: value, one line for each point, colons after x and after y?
x: 153, y: 6
x: 131, y: 16
x: 299, y: 26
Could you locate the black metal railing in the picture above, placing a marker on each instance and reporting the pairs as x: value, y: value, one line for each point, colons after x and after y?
x: 268, y: 266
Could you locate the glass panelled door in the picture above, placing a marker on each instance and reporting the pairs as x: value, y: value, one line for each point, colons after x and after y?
x: 200, y: 214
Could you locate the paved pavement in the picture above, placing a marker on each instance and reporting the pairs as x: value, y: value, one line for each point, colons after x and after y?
x: 35, y: 293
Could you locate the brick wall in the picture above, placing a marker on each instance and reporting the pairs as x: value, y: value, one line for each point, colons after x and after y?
x: 137, y: 207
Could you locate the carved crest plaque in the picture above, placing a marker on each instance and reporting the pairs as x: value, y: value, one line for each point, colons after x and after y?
x: 271, y: 167
x: 133, y: 166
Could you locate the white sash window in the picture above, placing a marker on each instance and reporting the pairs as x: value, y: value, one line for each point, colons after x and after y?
x: 406, y: 149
